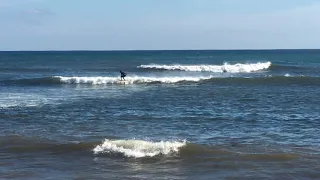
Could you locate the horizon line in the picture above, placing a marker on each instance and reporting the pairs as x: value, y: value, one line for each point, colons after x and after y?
x: 119, y: 50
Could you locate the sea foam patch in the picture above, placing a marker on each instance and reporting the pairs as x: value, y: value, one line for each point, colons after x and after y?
x: 231, y: 68
x: 139, y: 148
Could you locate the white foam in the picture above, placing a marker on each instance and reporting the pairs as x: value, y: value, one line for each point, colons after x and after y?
x: 231, y: 68
x: 129, y: 80
x: 138, y: 148
x: 8, y: 100
x: 287, y: 75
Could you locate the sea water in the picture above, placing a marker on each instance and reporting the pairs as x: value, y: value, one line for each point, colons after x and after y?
x: 180, y: 115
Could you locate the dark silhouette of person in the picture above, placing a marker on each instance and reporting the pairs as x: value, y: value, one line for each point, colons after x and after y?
x: 123, y: 74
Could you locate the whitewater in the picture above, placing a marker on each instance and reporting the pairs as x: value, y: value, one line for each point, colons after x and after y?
x: 138, y: 79
x: 226, y: 67
x: 139, y: 148
x: 129, y: 80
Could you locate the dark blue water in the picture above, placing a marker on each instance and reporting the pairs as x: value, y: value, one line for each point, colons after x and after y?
x: 178, y: 115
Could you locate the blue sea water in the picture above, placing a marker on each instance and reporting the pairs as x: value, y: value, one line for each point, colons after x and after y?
x: 179, y: 115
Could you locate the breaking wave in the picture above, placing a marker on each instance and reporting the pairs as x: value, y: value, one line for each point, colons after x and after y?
x: 100, y: 80
x: 139, y: 148
x: 129, y: 80
x: 231, y: 68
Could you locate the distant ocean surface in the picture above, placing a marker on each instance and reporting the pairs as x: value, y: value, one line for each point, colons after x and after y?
x: 181, y: 115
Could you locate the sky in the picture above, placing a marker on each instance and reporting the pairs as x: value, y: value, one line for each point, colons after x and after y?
x: 159, y: 24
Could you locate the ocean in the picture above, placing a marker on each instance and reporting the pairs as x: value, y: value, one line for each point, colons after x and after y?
x: 228, y: 114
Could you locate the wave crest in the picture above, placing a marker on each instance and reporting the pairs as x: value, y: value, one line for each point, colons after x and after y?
x: 231, y: 68
x: 139, y: 148
x: 129, y: 80
x: 56, y: 80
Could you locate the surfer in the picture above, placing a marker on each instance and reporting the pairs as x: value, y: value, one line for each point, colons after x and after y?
x: 123, y: 74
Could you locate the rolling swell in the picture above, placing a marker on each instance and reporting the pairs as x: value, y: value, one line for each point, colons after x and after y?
x: 131, y: 148
x: 269, y: 80
x: 28, y: 70
x: 20, y: 144
x: 182, y: 149
x: 33, y: 81
x: 229, y: 152
x: 265, y: 80
x: 289, y: 68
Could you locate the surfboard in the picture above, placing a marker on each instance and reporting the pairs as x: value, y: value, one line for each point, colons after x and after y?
x: 123, y: 82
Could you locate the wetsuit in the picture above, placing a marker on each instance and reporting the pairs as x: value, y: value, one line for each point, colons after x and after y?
x: 123, y: 74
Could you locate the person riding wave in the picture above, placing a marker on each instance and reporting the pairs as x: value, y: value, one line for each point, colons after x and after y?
x: 123, y: 74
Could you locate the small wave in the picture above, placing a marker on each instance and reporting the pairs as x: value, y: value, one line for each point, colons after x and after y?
x: 142, y: 149
x: 286, y: 67
x: 33, y: 81
x: 139, y: 148
x: 129, y: 80
x: 22, y: 144
x: 232, y: 151
x: 231, y: 68
x: 28, y: 69
x: 270, y: 156
x: 269, y: 80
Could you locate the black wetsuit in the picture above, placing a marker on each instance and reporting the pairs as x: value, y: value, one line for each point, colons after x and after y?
x: 123, y: 74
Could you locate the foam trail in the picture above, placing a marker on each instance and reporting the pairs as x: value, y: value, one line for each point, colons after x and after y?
x: 232, y: 68
x: 129, y: 80
x: 138, y: 148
